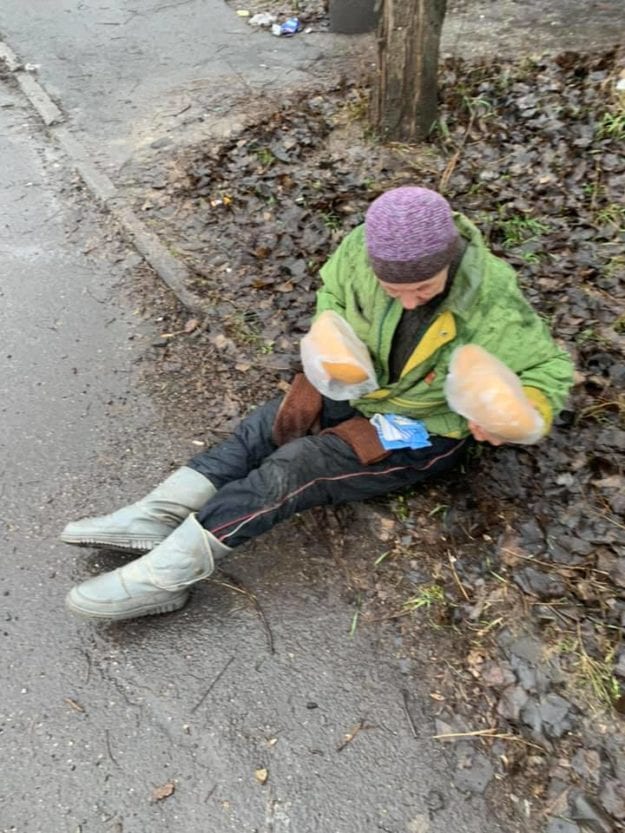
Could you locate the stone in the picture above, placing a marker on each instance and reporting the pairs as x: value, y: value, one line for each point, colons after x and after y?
x: 612, y: 798
x: 525, y: 673
x: 527, y: 647
x: 476, y: 777
x: 593, y: 818
x: 512, y: 701
x: 617, y: 503
x: 617, y: 573
x: 161, y: 143
x: 576, y: 545
x: 537, y: 583
x: 497, y: 675
x: 617, y: 374
x: 587, y: 764
x: 549, y: 715
x: 531, y: 533
x: 554, y: 712
x: 611, y: 439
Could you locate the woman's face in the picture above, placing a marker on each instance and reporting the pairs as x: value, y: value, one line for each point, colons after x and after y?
x: 411, y: 295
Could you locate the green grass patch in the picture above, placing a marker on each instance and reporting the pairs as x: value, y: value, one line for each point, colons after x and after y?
x: 593, y: 677
x: 428, y: 596
x: 611, y: 215
x: 517, y: 230
x: 611, y: 126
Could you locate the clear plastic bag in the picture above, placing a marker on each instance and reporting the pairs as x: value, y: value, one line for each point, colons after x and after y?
x: 335, y: 360
x: 484, y: 390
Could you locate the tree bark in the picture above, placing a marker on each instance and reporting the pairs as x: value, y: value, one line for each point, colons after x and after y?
x: 405, y: 95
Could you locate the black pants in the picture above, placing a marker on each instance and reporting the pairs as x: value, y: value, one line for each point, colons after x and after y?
x: 260, y: 485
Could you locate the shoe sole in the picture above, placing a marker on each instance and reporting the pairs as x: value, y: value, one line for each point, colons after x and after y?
x: 141, y: 545
x: 173, y: 604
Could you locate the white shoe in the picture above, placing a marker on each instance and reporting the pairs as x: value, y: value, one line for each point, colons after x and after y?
x: 144, y: 525
x: 155, y: 583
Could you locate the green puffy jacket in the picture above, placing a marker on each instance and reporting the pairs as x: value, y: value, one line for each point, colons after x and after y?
x: 484, y: 306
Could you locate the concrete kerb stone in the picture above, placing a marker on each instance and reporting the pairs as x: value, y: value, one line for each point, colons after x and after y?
x: 170, y: 270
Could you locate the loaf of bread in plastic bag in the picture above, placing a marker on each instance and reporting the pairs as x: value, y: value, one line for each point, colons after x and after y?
x: 484, y: 390
x: 335, y: 360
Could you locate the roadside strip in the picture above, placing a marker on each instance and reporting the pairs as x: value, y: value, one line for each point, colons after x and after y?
x: 169, y: 269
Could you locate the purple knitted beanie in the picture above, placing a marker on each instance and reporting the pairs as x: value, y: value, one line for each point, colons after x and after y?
x: 410, y: 235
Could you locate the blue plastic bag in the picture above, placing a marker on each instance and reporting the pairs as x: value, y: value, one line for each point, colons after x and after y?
x: 396, y: 431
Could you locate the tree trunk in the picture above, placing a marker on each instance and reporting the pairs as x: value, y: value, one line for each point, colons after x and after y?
x: 405, y: 96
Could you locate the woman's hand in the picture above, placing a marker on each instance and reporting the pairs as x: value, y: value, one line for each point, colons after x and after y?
x: 483, y: 436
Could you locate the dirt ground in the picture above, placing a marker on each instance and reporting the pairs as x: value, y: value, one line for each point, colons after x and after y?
x: 510, y: 575
x: 504, y: 584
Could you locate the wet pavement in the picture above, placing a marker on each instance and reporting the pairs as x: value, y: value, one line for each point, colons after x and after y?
x: 172, y: 723
x: 132, y: 72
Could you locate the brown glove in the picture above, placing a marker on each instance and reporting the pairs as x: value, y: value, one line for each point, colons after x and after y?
x: 299, y: 412
x: 363, y: 439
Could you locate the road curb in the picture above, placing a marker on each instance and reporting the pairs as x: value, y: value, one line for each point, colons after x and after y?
x: 169, y: 269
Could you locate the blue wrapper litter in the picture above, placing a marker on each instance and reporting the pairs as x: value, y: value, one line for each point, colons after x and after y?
x: 290, y: 27
x: 397, y: 431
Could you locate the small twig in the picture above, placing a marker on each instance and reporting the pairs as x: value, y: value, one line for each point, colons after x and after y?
x: 212, y: 685
x: 483, y: 631
x: 170, y: 6
x: 516, y: 739
x: 551, y: 565
x: 109, y: 750
x: 349, y: 737
x: 451, y: 165
x: 488, y: 733
x: 457, y: 578
x: 88, y: 674
x: 239, y: 588
x: 413, y: 728
x: 608, y: 519
x: 95, y: 298
x: 476, y: 733
x: 210, y: 793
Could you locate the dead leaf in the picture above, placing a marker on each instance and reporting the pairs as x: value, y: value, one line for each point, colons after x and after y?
x: 475, y: 660
x: 261, y: 775
x: 159, y: 793
x: 191, y: 325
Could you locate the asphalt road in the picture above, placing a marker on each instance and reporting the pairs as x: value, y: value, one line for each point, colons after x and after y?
x: 131, y: 72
